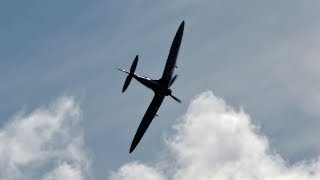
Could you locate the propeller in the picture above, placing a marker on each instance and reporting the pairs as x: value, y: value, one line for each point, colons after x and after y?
x: 171, y: 82
x: 175, y: 98
x: 173, y: 79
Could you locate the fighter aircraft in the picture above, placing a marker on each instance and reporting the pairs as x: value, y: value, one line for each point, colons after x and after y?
x: 160, y: 87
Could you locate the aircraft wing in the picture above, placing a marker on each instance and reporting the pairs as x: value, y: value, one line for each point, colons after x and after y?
x: 172, y: 57
x: 146, y: 120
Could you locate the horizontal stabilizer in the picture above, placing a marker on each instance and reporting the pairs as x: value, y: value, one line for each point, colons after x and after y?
x: 127, y: 82
x: 134, y: 64
x: 130, y: 74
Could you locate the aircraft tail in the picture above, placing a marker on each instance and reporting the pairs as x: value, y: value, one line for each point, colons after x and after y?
x: 130, y: 74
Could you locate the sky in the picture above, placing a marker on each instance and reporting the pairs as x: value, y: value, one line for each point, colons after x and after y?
x: 252, y: 64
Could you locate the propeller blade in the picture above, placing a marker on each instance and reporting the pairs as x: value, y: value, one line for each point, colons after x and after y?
x: 175, y: 98
x: 173, y: 79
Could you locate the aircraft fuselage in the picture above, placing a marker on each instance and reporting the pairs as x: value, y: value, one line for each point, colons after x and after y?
x: 160, y: 87
x: 154, y: 85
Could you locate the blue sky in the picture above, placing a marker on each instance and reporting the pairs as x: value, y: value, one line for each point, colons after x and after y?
x: 258, y: 56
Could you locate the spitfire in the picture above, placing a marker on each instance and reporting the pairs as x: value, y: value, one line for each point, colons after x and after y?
x: 160, y: 87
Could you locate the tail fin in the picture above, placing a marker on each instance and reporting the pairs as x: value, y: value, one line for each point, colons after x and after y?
x: 130, y: 74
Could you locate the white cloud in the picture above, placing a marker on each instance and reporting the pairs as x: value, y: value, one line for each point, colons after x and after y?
x: 214, y: 141
x: 45, y: 144
x: 136, y: 170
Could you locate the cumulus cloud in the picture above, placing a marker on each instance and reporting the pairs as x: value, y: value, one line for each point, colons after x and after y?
x: 136, y: 170
x: 215, y: 141
x: 45, y: 144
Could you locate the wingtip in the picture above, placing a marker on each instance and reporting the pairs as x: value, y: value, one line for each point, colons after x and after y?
x: 133, y: 146
x: 181, y: 27
x: 131, y: 149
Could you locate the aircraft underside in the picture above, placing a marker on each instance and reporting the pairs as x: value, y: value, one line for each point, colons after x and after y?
x: 154, y: 85
x: 160, y: 87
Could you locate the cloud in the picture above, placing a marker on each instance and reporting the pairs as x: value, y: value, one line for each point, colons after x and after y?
x: 136, y: 170
x: 45, y: 144
x: 215, y: 141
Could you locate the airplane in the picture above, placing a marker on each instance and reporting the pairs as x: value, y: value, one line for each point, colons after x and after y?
x: 160, y: 87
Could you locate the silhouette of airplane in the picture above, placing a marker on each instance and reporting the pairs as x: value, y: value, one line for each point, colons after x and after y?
x: 160, y: 87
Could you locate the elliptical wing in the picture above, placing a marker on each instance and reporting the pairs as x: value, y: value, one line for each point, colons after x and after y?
x: 146, y: 120
x: 172, y: 57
